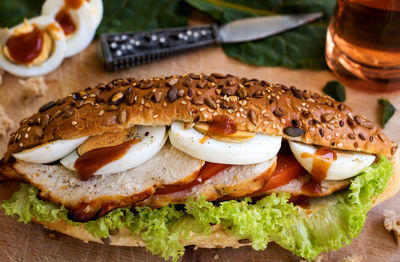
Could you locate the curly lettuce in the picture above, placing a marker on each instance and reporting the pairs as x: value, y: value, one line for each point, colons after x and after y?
x: 333, y: 222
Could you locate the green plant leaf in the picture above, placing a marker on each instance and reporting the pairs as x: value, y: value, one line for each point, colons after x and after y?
x: 388, y: 110
x: 299, y: 48
x: 130, y: 15
x: 119, y: 16
x: 335, y: 90
x: 13, y: 12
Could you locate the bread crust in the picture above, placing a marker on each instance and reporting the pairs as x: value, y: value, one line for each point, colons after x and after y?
x: 256, y: 106
x: 219, y: 238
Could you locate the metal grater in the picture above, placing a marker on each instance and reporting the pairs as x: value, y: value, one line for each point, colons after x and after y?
x: 124, y: 50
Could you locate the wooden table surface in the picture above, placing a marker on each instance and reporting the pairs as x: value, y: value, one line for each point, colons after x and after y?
x: 19, y: 242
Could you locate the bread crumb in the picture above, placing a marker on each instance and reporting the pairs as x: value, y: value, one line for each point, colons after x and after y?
x: 392, y: 223
x: 5, y: 122
x: 1, y: 76
x: 353, y: 258
x: 33, y: 87
x: 317, y: 259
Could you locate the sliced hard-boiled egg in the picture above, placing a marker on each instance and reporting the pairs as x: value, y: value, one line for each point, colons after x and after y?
x: 77, y: 20
x: 258, y: 149
x: 151, y: 140
x: 326, y: 163
x: 49, y: 152
x: 34, y: 47
x: 97, y: 10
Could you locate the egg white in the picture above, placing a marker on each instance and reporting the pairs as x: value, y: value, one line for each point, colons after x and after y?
x: 259, y: 149
x: 53, y: 61
x: 347, y: 164
x: 139, y: 153
x: 49, y: 152
x: 97, y: 10
x: 84, y: 20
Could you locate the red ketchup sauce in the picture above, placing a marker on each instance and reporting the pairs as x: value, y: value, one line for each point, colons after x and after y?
x: 88, y: 163
x: 322, y: 160
x: 74, y: 4
x: 65, y: 20
x: 206, y: 172
x: 222, y: 126
x: 24, y: 48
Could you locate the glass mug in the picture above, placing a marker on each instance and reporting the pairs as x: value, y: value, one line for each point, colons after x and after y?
x: 363, y: 44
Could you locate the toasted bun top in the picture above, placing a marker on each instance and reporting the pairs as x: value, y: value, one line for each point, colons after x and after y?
x: 254, y: 105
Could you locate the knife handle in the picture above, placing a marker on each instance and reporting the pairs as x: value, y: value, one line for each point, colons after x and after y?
x: 124, y: 50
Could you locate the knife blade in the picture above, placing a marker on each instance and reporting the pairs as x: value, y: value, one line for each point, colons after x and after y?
x: 254, y: 28
x: 123, y: 50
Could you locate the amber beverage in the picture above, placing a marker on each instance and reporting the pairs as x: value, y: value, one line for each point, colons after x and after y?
x: 363, y: 44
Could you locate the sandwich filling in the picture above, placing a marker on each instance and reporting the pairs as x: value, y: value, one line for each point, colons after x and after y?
x: 231, y: 164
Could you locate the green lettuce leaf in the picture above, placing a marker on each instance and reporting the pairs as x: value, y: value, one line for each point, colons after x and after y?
x: 334, y: 221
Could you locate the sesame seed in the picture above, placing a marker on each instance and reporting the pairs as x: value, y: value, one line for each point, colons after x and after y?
x: 329, y: 137
x: 142, y: 101
x: 92, y: 95
x: 241, y: 109
x: 155, y: 116
x: 337, y: 134
x: 215, y: 114
x: 101, y: 112
x: 283, y: 121
x: 21, y: 145
x: 183, y: 102
x: 238, y: 114
x: 266, y: 122
x: 312, y: 129
x: 26, y: 135
x: 74, y: 123
x: 340, y: 145
x: 29, y: 128
x: 202, y: 109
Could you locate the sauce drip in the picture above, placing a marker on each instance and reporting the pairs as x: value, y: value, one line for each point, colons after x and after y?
x: 74, y: 4
x: 322, y: 161
x: 88, y: 163
x: 206, y: 172
x: 301, y: 201
x: 24, y: 48
x: 222, y: 126
x: 65, y: 21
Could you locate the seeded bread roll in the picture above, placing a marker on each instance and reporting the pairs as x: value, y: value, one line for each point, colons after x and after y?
x: 256, y: 106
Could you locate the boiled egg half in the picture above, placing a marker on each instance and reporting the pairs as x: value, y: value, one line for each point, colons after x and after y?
x: 151, y: 140
x: 49, y: 152
x: 34, y: 47
x: 334, y: 164
x: 258, y: 149
x: 78, y: 19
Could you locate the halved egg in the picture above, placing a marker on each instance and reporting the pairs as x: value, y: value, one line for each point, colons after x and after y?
x: 34, y: 47
x: 152, y: 139
x: 258, y: 149
x: 97, y: 10
x: 77, y: 21
x: 49, y: 152
x: 330, y: 164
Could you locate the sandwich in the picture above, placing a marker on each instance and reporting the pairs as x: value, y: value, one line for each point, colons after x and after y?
x: 206, y: 160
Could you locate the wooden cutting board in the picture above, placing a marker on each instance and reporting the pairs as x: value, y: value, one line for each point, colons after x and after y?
x: 19, y: 242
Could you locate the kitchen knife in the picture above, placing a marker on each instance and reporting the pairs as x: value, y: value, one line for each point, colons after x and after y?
x: 123, y: 50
